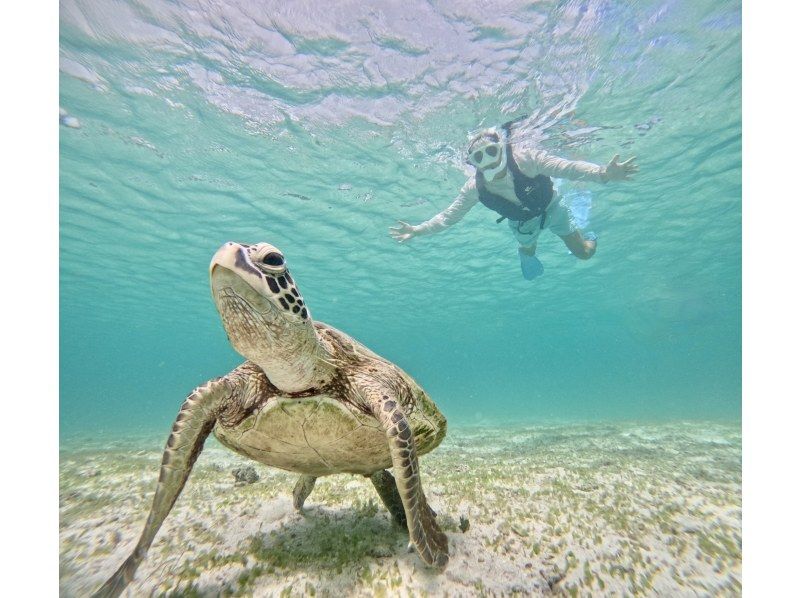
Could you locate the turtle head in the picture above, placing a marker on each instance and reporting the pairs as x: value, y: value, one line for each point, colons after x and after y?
x: 264, y: 314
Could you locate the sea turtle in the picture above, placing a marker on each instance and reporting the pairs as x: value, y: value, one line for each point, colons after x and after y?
x: 308, y: 399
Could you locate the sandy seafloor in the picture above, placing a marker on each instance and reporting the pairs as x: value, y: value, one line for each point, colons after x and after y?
x: 580, y: 510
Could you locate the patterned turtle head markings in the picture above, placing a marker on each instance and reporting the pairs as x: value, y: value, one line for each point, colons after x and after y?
x: 290, y: 299
x: 272, y: 266
x: 294, y: 297
x: 267, y: 263
x: 275, y: 334
x: 243, y: 263
x: 288, y: 296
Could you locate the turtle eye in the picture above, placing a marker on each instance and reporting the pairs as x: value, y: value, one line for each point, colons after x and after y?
x: 273, y: 259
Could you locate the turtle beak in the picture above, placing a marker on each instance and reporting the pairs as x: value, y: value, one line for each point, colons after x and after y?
x: 234, y: 257
x: 223, y: 256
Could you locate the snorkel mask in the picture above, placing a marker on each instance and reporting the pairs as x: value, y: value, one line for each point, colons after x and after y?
x: 487, y: 153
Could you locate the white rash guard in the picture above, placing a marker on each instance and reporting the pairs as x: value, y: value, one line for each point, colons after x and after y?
x: 531, y: 162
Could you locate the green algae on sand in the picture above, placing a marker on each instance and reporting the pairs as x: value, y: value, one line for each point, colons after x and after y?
x: 601, y: 508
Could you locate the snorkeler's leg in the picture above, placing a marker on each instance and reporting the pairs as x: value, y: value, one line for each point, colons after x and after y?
x: 581, y: 248
x: 302, y: 489
x: 526, y: 234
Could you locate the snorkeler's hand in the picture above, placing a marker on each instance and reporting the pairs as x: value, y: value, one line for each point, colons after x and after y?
x: 620, y: 171
x: 403, y: 232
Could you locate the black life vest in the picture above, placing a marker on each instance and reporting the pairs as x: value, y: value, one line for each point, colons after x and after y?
x: 534, y: 193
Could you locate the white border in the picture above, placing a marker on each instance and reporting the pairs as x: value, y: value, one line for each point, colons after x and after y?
x: 770, y: 392
x: 29, y: 227
x: 29, y: 345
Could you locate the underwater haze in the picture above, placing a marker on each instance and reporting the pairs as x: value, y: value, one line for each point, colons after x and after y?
x: 316, y: 127
x: 593, y: 444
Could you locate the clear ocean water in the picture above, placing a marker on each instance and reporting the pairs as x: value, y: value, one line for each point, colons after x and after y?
x: 187, y: 124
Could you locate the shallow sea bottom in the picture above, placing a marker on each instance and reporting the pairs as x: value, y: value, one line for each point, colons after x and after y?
x: 606, y: 509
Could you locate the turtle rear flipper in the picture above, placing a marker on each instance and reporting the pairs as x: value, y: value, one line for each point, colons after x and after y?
x: 387, y: 489
x: 194, y: 423
x: 425, y: 534
x: 303, y: 487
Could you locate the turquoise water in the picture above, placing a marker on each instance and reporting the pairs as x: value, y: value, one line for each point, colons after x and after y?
x: 316, y: 130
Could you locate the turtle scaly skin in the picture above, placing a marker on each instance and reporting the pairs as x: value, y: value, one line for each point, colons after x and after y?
x: 308, y: 399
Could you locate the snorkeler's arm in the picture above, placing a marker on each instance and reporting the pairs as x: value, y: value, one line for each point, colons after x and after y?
x: 452, y: 213
x: 541, y: 162
x: 466, y: 199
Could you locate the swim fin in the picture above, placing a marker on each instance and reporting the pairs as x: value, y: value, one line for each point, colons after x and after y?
x: 531, y: 266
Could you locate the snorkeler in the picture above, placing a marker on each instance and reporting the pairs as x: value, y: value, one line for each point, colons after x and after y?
x: 515, y: 182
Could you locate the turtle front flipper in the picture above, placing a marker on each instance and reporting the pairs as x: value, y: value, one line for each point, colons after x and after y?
x: 426, y: 535
x: 189, y: 432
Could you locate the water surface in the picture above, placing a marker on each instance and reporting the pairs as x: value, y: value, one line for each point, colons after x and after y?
x: 316, y: 130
